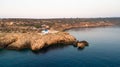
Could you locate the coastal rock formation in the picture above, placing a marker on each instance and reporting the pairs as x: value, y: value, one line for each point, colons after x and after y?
x: 81, y: 44
x: 34, y: 41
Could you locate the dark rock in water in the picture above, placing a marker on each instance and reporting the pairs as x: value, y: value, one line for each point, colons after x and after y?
x: 81, y: 44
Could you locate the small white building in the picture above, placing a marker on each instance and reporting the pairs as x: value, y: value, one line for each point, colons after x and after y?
x: 45, y: 31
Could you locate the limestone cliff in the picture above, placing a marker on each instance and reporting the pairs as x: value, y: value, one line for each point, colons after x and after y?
x: 34, y: 41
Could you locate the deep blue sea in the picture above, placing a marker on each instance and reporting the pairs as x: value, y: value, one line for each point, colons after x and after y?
x: 103, y: 51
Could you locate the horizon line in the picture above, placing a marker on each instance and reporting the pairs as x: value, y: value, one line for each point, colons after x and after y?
x: 54, y: 17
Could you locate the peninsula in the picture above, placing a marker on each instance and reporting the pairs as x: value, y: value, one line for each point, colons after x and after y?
x: 27, y: 33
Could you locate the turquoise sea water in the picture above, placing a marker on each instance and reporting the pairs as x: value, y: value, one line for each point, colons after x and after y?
x: 103, y: 51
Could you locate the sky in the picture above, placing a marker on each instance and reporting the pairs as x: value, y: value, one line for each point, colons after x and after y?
x: 59, y: 8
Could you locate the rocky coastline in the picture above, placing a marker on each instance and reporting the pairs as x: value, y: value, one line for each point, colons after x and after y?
x: 34, y: 41
x: 24, y: 34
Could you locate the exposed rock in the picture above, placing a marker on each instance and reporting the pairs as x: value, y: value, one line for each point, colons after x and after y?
x: 5, y: 41
x: 82, y: 44
x: 35, y: 41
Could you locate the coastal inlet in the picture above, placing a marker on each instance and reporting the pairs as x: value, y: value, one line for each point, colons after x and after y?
x: 37, y: 41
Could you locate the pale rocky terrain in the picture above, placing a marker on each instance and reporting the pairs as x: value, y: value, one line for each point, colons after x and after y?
x: 34, y: 41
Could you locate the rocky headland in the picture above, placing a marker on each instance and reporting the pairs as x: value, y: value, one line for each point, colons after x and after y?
x: 35, y: 41
x: 27, y: 33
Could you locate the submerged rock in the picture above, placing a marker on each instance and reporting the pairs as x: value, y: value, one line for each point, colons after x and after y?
x: 35, y: 41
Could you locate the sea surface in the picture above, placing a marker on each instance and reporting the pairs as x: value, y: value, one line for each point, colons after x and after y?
x: 103, y: 51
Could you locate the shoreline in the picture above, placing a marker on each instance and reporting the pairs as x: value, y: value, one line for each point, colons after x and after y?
x: 21, y: 35
x: 86, y: 27
x: 38, y: 41
x: 34, y: 41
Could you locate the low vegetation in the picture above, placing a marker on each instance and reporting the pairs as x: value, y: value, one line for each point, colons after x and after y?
x: 35, y: 25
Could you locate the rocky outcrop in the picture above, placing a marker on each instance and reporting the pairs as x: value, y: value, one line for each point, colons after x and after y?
x: 81, y: 44
x: 34, y: 41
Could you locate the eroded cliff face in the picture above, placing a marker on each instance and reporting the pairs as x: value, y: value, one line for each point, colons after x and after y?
x: 34, y: 41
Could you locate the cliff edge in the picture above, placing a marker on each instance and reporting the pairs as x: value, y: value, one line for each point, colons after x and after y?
x: 34, y: 41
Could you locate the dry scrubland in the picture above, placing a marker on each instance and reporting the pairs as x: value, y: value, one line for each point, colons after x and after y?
x: 35, y: 25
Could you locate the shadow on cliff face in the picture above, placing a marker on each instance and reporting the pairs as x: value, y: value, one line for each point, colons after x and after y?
x: 56, y: 47
x: 44, y: 50
x: 50, y: 48
x: 41, y: 51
